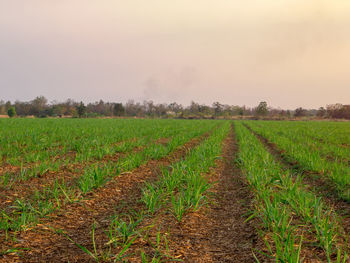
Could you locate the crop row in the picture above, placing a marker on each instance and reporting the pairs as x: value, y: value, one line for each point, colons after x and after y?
x: 295, y: 221
x: 314, y: 139
x: 47, y: 165
x: 23, y: 213
x: 181, y: 188
x: 310, y: 154
x: 25, y: 141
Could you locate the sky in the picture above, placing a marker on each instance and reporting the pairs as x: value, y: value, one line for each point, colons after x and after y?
x: 289, y: 53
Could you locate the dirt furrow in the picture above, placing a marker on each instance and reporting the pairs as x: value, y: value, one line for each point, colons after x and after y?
x: 222, y: 234
x: 231, y: 238
x: 118, y: 196
x: 217, y: 232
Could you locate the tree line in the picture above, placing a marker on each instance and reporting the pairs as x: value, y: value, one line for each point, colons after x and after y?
x: 40, y: 107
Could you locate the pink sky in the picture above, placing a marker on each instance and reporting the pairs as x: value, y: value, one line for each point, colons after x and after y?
x: 289, y: 53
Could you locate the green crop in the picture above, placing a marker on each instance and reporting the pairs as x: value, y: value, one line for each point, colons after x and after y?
x: 280, y: 194
x: 298, y: 146
x: 184, y: 186
x: 49, y: 199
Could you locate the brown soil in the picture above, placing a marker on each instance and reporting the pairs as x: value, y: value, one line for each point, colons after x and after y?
x: 220, y: 233
x: 76, y: 220
x: 217, y: 232
x: 233, y: 205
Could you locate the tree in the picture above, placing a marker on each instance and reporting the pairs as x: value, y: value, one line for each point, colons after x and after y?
x: 321, y: 112
x: 11, y: 112
x: 134, y: 109
x: 148, y: 107
x: 160, y: 110
x: 38, y: 106
x: 118, y: 109
x: 262, y: 109
x: 81, y: 109
x: 194, y: 108
x: 2, y: 107
x: 57, y: 110
x: 217, y: 108
x: 338, y: 111
x: 7, y: 105
x: 300, y: 112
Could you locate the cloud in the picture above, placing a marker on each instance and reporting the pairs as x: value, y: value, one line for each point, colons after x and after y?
x: 170, y: 85
x: 238, y: 52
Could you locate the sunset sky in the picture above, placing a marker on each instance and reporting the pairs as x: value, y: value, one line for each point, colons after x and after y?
x: 289, y: 53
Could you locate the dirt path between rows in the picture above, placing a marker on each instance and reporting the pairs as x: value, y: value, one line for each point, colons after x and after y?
x: 226, y: 236
x: 76, y: 220
x: 217, y: 232
x: 231, y: 238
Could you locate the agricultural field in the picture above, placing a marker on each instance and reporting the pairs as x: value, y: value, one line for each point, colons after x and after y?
x: 142, y: 190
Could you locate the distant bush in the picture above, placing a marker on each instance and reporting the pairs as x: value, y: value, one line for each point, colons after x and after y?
x: 11, y: 112
x: 93, y: 115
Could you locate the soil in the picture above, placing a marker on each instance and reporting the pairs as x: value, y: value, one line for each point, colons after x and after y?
x: 233, y: 206
x: 218, y: 232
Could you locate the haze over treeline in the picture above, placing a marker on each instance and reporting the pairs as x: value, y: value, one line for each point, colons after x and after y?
x: 289, y: 53
x: 40, y: 107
